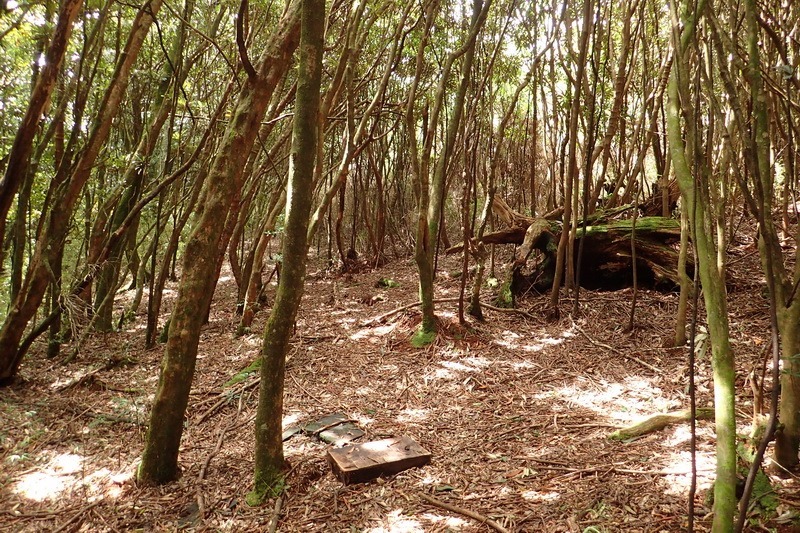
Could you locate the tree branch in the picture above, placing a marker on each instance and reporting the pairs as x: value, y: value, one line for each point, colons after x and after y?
x: 240, y: 44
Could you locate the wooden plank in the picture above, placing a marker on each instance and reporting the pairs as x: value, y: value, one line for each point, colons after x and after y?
x: 367, y: 461
x: 341, y: 434
x: 327, y: 421
x: 336, y: 428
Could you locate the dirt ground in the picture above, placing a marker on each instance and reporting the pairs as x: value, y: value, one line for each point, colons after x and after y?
x: 516, y: 412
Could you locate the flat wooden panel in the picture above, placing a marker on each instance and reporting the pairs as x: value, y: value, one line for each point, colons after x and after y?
x: 341, y: 434
x: 325, y: 421
x: 363, y: 462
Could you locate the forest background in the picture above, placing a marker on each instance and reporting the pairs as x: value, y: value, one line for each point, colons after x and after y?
x: 148, y: 149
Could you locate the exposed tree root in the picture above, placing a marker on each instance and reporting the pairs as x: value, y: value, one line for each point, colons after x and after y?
x: 659, y: 421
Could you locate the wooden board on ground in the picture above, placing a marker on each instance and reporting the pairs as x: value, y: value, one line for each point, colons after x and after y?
x: 363, y: 462
x: 337, y: 429
x: 341, y: 434
x: 327, y: 421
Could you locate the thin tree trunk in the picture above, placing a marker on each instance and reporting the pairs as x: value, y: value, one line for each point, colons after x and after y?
x: 430, y: 194
x: 712, y: 276
x: 572, y: 173
x: 160, y: 456
x: 268, y: 435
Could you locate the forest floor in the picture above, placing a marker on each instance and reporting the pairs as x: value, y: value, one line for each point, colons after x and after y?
x: 516, y: 412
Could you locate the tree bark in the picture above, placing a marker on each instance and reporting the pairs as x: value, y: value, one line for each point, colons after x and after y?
x: 712, y: 275
x: 160, y: 456
x: 431, y: 188
x: 268, y: 434
x: 572, y: 174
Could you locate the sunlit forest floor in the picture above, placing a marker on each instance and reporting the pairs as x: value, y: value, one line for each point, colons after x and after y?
x: 516, y: 412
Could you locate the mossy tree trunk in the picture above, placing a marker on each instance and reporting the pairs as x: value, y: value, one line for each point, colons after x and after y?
x: 759, y: 195
x: 268, y: 435
x: 694, y: 184
x: 780, y: 281
x: 160, y: 456
x: 430, y: 189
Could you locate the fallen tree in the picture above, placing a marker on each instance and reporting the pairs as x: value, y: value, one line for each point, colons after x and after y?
x: 606, y: 257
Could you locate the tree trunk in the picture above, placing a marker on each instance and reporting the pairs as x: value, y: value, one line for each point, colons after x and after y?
x: 572, y: 173
x: 712, y: 275
x: 431, y: 189
x: 160, y: 456
x: 254, y: 285
x: 269, y: 441
x: 134, y: 177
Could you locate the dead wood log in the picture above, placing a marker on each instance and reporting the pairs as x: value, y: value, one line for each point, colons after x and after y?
x: 659, y: 421
x: 606, y: 259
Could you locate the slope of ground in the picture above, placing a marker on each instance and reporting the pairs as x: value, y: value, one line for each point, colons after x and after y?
x: 516, y: 412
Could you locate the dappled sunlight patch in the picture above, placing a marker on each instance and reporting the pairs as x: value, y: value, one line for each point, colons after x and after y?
x: 396, y: 522
x: 678, y: 483
x: 540, y: 496
x: 543, y: 342
x: 445, y: 521
x: 451, y: 370
x: 65, y: 473
x: 681, y: 435
x: 478, y: 362
x: 362, y: 419
x: 453, y: 365
x: 430, y: 479
x: 67, y: 378
x: 438, y: 374
x: 292, y: 418
x: 514, y: 341
x: 621, y: 401
x: 116, y: 488
x: 413, y: 415
x: 508, y: 339
x: 40, y: 486
x: 373, y: 333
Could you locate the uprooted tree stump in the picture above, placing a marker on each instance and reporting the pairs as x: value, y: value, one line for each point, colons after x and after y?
x: 606, y: 259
